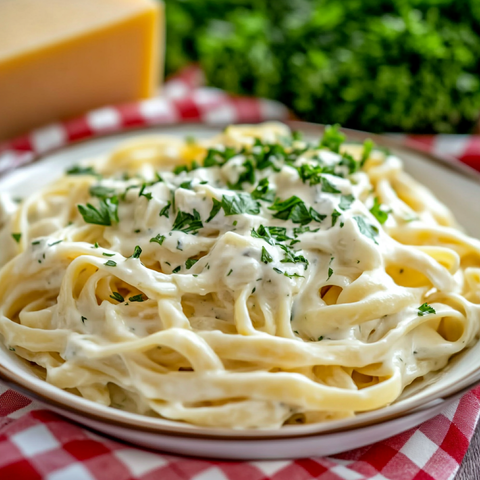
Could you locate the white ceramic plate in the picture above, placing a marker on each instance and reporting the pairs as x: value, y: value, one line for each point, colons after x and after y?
x: 455, y: 185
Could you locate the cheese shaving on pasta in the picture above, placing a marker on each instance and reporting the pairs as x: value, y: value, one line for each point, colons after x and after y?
x: 252, y: 280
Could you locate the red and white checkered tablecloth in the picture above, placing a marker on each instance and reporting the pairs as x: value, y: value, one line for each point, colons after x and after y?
x: 38, y: 444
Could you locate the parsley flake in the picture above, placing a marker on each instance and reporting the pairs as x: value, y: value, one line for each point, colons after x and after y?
x: 137, y: 298
x: 17, y: 237
x: 190, y: 263
x: 116, y: 296
x: 164, y: 212
x: 158, y: 239
x: 136, y: 252
x: 110, y: 263
x: 266, y: 257
x: 367, y: 229
x: 425, y: 309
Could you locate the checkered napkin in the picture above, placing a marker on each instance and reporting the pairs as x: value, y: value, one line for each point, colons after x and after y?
x: 38, y: 444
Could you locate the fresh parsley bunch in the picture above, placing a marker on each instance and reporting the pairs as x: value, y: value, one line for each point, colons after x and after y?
x: 377, y: 65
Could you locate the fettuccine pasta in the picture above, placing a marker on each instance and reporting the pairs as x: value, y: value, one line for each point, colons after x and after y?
x: 252, y: 280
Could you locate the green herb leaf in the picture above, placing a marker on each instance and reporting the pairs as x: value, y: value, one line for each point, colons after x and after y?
x: 217, y: 157
x: 110, y: 263
x: 55, y: 243
x: 104, y: 215
x: 263, y: 192
x: 108, y: 254
x: 158, y: 239
x: 230, y: 272
x: 187, y: 185
x: 190, y: 263
x: 137, y: 252
x: 240, y: 203
x: 346, y: 202
x: 17, y: 237
x: 215, y: 209
x: 266, y: 257
x: 83, y: 319
x: 141, y: 193
x: 164, y: 212
x: 335, y: 215
x: 317, y: 217
x: 367, y: 150
x: 137, y: 298
x: 116, y: 296
x: 177, y: 269
x: 379, y: 212
x: 79, y: 170
x: 332, y: 138
x: 370, y: 231
x: 187, y: 222
x: 101, y: 192
x: 425, y: 309
x: 328, y: 187
x: 293, y: 209
x: 330, y: 273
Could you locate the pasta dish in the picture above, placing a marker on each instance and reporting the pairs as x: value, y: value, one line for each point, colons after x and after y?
x: 250, y: 280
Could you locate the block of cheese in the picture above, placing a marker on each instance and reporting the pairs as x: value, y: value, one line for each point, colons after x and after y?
x: 60, y: 58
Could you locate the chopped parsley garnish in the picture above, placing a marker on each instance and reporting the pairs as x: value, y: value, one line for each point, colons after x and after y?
x: 55, y: 243
x: 110, y: 263
x: 116, y: 296
x: 349, y: 162
x: 164, y: 212
x: 240, y: 203
x: 293, y: 209
x: 17, y: 237
x: 263, y: 192
x: 36, y: 242
x: 380, y: 213
x: 320, y: 338
x: 158, y: 239
x: 346, y: 202
x: 137, y: 298
x: 335, y: 215
x: 108, y: 254
x: 142, y: 193
x: 179, y: 169
x: 190, y: 263
x: 136, y: 252
x: 100, y: 191
x: 105, y: 214
x: 288, y: 275
x: 217, y: 157
x: 79, y: 170
x: 291, y: 257
x: 330, y: 273
x: 230, y: 272
x: 425, y: 309
x: 177, y: 269
x: 367, y: 150
x: 317, y: 217
x: 248, y: 175
x: 328, y: 187
x: 270, y: 234
x: 179, y: 245
x: 188, y: 223
x: 266, y: 257
x: 367, y: 229
x: 187, y: 185
x: 299, y: 230
x: 215, y: 209
x: 332, y: 138
x: 83, y: 319
x: 95, y: 245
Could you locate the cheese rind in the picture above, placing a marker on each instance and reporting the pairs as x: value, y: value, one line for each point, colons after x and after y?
x: 102, y: 52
